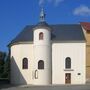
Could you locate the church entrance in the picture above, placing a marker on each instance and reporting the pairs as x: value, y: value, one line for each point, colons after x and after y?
x: 67, y: 78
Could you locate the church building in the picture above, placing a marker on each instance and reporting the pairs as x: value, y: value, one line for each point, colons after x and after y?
x: 46, y: 54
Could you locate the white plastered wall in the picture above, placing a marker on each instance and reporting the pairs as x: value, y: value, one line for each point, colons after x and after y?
x: 19, y: 75
x: 77, y: 53
x: 42, y: 51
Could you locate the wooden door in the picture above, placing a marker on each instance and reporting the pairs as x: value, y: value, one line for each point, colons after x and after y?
x: 67, y: 78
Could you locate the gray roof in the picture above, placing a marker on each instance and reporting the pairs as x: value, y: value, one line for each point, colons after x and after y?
x: 60, y: 32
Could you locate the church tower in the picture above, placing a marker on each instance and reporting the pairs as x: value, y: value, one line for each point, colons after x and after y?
x: 42, y: 52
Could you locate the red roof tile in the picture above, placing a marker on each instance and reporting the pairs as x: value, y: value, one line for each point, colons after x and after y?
x: 86, y: 25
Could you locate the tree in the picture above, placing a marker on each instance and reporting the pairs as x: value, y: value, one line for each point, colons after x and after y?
x: 2, y: 58
x: 6, y: 72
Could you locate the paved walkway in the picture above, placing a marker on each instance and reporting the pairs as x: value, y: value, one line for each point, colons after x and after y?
x: 56, y: 87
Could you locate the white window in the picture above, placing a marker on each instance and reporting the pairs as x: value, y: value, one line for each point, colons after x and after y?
x: 36, y: 74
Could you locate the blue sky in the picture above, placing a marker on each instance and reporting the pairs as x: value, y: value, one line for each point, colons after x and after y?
x: 16, y: 14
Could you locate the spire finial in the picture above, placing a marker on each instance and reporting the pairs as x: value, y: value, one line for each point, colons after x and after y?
x: 42, y: 15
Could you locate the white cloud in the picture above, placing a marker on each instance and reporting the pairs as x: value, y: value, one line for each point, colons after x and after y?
x: 55, y: 2
x: 41, y: 2
x: 82, y: 10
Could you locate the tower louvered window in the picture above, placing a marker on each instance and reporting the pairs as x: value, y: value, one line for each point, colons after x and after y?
x: 41, y: 36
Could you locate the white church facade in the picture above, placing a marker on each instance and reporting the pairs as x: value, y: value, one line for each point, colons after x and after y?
x: 45, y: 54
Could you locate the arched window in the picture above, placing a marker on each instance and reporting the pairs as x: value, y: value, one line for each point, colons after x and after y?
x: 36, y: 74
x: 25, y: 63
x: 41, y: 35
x: 41, y: 64
x: 68, y: 63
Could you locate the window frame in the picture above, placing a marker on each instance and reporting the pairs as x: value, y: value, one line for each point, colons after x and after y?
x: 25, y: 63
x: 68, y: 63
x: 36, y: 74
x: 41, y: 36
x: 40, y: 64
